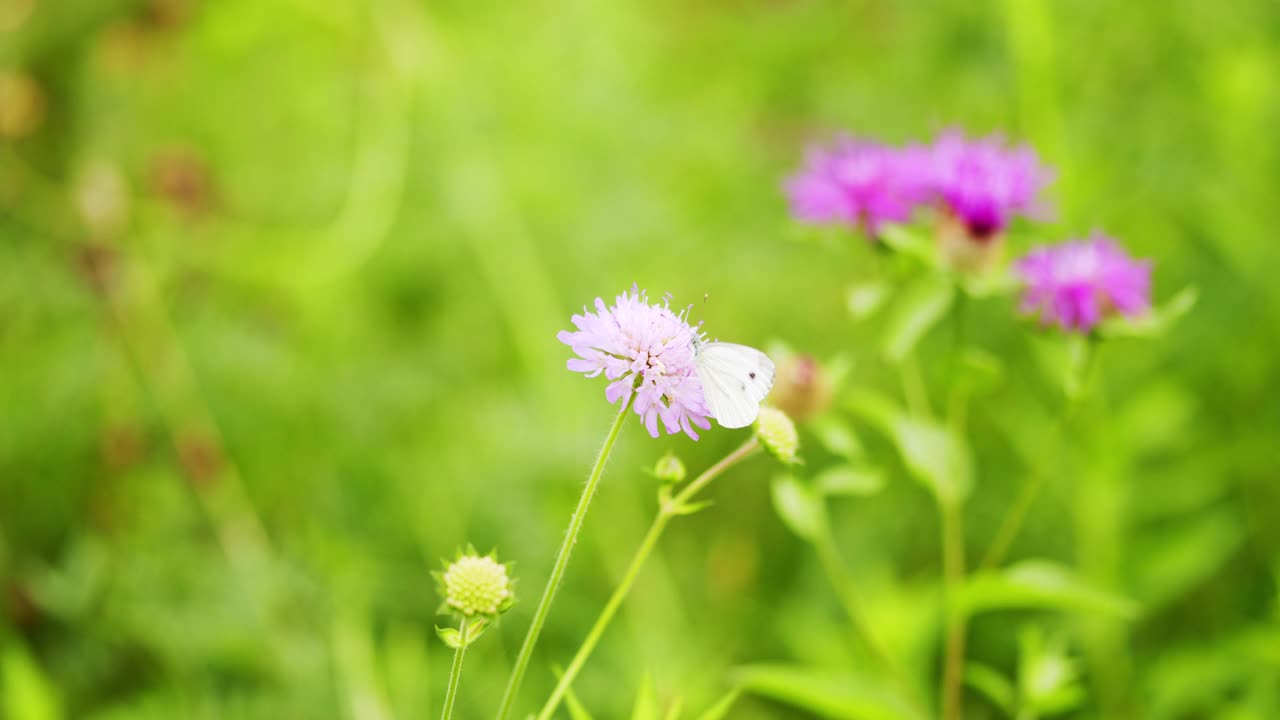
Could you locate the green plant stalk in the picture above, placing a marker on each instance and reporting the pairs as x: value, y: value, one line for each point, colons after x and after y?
x: 669, y: 509
x: 562, y: 561
x: 838, y: 575
x: 953, y: 579
x: 1012, y: 523
x: 455, y: 672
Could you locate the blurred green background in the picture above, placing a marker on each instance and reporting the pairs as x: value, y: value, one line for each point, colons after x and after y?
x: 281, y: 283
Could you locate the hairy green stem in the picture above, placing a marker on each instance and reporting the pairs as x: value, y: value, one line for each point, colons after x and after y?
x: 669, y: 509
x: 562, y: 561
x: 455, y: 672
x: 953, y: 579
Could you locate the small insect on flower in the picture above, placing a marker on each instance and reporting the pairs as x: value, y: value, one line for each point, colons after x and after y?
x: 735, y: 380
x: 677, y: 377
x: 1076, y: 284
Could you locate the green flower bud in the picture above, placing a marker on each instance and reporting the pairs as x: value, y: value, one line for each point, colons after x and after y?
x: 669, y: 469
x: 778, y: 435
x: 477, y: 585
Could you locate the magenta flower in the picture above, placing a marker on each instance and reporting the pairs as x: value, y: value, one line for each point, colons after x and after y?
x: 981, y: 182
x: 643, y: 348
x: 1075, y: 284
x: 854, y: 183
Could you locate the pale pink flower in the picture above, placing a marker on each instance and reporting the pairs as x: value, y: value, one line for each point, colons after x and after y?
x: 643, y: 348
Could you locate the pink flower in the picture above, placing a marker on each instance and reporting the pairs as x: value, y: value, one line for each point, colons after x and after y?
x: 646, y: 349
x: 855, y: 183
x: 982, y: 182
x: 1075, y: 284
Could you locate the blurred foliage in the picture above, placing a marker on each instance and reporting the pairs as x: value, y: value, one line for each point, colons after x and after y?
x: 277, y: 329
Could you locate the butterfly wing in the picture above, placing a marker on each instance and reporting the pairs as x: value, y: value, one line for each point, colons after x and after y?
x: 735, y: 379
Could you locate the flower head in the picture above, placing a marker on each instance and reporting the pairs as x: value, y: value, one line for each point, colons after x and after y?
x: 1075, y: 284
x: 981, y: 182
x: 476, y: 585
x: 853, y: 182
x: 646, y: 349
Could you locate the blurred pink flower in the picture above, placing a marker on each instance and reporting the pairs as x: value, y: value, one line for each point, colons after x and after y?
x: 1075, y: 284
x: 635, y: 342
x: 855, y: 183
x: 981, y: 182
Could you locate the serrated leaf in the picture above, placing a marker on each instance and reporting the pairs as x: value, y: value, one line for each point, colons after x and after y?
x: 798, y: 506
x: 1039, y: 584
x: 851, y: 480
x: 866, y: 298
x: 843, y: 695
x: 922, y: 304
x: 1156, y: 322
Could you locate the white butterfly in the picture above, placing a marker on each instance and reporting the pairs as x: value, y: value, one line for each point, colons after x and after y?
x: 735, y: 379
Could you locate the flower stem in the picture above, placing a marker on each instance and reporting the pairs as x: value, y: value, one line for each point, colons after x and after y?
x: 455, y: 672
x: 838, y: 575
x: 562, y: 561
x: 668, y: 510
x: 957, y: 619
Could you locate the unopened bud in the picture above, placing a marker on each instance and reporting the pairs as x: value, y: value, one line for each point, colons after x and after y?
x: 778, y: 435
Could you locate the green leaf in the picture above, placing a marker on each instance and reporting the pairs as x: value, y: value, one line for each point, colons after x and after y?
x: 836, y: 437
x: 691, y: 508
x: 450, y: 636
x: 1039, y: 584
x: 799, y: 506
x: 935, y: 456
x: 994, y: 685
x: 577, y: 711
x: 828, y: 693
x: 866, y: 298
x: 720, y: 710
x: 980, y: 370
x: 476, y: 629
x: 1048, y: 680
x: 1156, y: 322
x: 646, y: 707
x: 849, y: 480
x: 923, y: 303
x: 931, y: 452
x: 674, y: 710
x: 993, y: 283
x: 28, y: 693
x: 906, y: 241
x: 1064, y: 359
